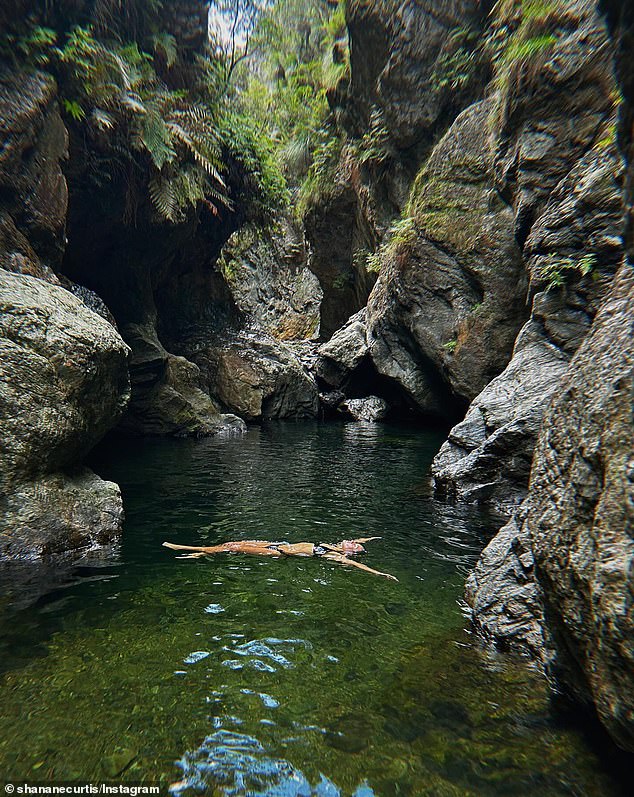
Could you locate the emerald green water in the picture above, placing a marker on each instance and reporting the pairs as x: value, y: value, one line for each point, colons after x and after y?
x: 235, y: 675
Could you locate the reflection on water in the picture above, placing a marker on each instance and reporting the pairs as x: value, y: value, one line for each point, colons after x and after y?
x: 244, y: 676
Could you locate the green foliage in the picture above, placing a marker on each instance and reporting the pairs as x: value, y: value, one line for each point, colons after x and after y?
x: 73, y: 109
x: 322, y: 175
x: 376, y: 144
x: 165, y: 44
x: 609, y: 136
x: 129, y: 100
x: 31, y: 47
x: 523, y: 34
x: 450, y: 345
x: 457, y: 64
x: 254, y: 152
x: 301, y: 56
x: 556, y: 268
x: 523, y: 50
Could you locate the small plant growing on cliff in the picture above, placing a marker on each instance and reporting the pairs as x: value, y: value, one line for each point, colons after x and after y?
x: 375, y: 146
x: 450, y: 346
x: 523, y: 35
x: 556, y: 268
x: 455, y: 67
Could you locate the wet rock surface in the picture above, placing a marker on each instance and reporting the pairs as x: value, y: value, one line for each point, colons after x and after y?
x: 372, y: 409
x: 503, y: 594
x: 580, y: 516
x: 64, y: 385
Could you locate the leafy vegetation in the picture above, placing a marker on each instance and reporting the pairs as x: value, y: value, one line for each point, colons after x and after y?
x: 556, y: 268
x: 140, y: 99
x: 524, y: 33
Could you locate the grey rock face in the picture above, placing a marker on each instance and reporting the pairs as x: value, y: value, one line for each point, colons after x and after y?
x: 450, y: 299
x: 63, y: 385
x: 567, y: 194
x: 336, y: 229
x: 344, y: 352
x: 580, y: 516
x: 34, y: 195
x: 395, y: 50
x: 257, y: 377
x: 487, y: 456
x: 372, y: 409
x: 503, y: 594
x: 271, y: 283
x: 168, y: 398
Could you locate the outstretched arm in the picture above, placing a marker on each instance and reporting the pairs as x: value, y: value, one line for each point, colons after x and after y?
x: 344, y: 560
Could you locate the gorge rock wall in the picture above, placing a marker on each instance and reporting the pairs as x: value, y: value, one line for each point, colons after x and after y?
x: 556, y: 581
x: 558, y: 164
x: 63, y: 367
x: 394, y: 104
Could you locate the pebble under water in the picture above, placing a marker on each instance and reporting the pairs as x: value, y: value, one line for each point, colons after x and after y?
x: 235, y: 675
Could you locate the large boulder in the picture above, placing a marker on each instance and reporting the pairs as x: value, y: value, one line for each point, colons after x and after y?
x: 450, y: 298
x: 267, y: 273
x: 344, y: 352
x: 168, y: 395
x: 257, y: 377
x: 63, y: 385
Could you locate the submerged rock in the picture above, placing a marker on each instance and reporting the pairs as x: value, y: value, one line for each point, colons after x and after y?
x: 63, y: 385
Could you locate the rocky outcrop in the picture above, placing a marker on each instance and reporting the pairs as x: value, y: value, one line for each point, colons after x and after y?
x: 449, y: 302
x: 33, y: 192
x: 344, y: 352
x: 397, y: 55
x: 396, y: 100
x: 567, y: 195
x: 580, y: 517
x: 63, y: 385
x: 557, y: 580
x: 256, y: 376
x: 503, y: 594
x: 267, y: 273
x: 168, y: 398
x: 371, y: 409
x: 336, y: 230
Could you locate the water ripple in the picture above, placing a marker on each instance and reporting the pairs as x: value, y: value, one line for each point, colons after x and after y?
x: 240, y: 764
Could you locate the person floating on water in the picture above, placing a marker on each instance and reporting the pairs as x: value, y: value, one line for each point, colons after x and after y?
x: 339, y: 552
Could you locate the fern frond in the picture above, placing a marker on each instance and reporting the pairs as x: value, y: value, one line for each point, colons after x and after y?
x: 164, y: 198
x: 103, y: 119
x: 165, y: 43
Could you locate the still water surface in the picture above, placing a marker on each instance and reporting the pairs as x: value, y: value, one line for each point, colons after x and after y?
x: 239, y: 676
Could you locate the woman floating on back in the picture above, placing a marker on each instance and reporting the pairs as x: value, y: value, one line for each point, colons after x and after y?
x: 339, y: 552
